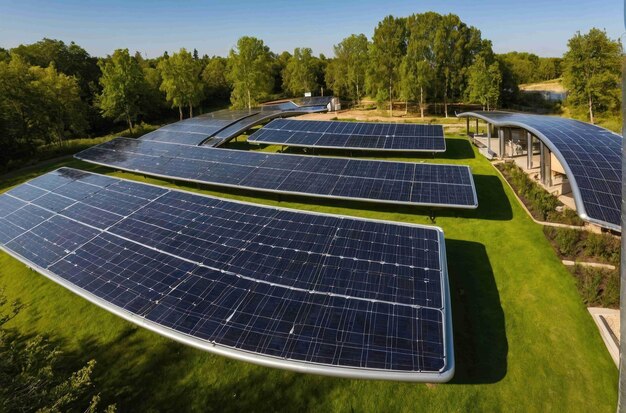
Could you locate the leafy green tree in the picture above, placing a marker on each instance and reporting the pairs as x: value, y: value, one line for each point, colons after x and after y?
x: 37, y: 106
x: 70, y: 59
x: 455, y: 47
x: 484, y: 83
x: 549, y: 68
x: 347, y: 72
x: 181, y: 80
x: 215, y: 79
x: 524, y: 66
x: 249, y: 72
x: 300, y: 73
x: 592, y: 72
x: 509, y: 87
x: 418, y: 66
x: 30, y: 378
x: 62, y: 113
x: 122, y: 84
x: 386, y: 52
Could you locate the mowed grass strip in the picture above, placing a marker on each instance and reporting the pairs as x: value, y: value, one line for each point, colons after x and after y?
x: 523, y: 338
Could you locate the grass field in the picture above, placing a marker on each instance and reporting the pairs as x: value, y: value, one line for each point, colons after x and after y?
x: 523, y: 339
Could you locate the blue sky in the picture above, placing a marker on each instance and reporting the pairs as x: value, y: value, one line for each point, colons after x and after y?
x: 213, y: 27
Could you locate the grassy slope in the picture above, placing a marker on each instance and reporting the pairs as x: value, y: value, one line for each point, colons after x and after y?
x: 523, y: 339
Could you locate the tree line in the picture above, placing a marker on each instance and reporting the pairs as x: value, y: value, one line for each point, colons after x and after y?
x: 51, y: 91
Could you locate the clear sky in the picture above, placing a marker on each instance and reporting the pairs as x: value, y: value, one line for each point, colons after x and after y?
x: 213, y: 27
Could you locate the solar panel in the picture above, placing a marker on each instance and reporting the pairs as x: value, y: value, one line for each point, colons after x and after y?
x: 591, y: 156
x: 267, y: 113
x: 310, y: 292
x: 404, y: 137
x: 196, y: 130
x: 341, y: 178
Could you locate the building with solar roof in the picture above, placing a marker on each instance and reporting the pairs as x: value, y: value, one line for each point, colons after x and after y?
x: 576, y: 161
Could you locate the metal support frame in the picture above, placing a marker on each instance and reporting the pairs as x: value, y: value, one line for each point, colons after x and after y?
x: 545, y: 165
x: 529, y: 150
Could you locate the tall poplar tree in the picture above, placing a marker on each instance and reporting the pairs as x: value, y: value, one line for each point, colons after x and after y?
x: 181, y: 80
x: 592, y: 72
x: 122, y: 82
x: 386, y: 53
x: 249, y: 72
x: 348, y: 70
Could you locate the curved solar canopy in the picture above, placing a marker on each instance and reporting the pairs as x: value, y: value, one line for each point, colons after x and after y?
x: 303, y: 291
x: 194, y: 131
x: 417, y: 184
x: 217, y: 128
x: 404, y: 137
x: 591, y: 157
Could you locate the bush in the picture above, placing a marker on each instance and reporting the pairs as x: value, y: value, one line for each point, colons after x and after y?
x: 541, y: 204
x: 584, y: 246
x: 603, y: 246
x: 597, y: 286
x: 567, y: 242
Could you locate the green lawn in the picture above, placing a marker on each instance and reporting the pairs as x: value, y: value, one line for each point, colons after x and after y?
x: 523, y: 339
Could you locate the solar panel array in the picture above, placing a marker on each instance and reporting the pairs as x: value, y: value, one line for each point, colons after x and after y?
x: 592, y: 154
x: 314, y: 292
x: 340, y: 178
x: 352, y: 135
x: 242, y: 125
x: 196, y: 130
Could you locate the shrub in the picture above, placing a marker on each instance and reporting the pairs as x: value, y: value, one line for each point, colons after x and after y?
x: 567, y: 241
x: 541, y: 204
x: 597, y: 286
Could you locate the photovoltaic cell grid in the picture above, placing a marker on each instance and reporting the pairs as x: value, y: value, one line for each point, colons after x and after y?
x: 196, y: 130
x: 336, y: 295
x: 352, y: 135
x: 592, y: 154
x: 341, y: 178
x: 267, y: 113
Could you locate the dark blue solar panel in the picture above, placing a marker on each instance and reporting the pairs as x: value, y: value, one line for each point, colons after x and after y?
x: 352, y: 135
x: 444, y: 185
x: 593, y: 155
x: 301, y: 288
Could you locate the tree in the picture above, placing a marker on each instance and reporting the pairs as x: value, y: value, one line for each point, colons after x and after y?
x: 60, y: 105
x: 592, y: 72
x: 549, y: 68
x: 348, y: 70
x: 249, y: 72
x: 37, y: 106
x: 484, y: 83
x: 122, y: 83
x: 386, y: 52
x: 215, y: 78
x: 279, y: 63
x: 70, y: 59
x: 418, y: 66
x: 455, y: 47
x: 30, y: 379
x: 300, y: 74
x: 181, y: 80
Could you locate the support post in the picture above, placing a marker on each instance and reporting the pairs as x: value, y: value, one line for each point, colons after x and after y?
x: 467, y: 126
x: 529, y: 150
x: 545, y: 166
x: 489, y: 136
x: 501, y: 142
x: 476, y: 126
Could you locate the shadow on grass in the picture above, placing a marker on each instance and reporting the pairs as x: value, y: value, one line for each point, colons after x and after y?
x: 142, y: 376
x: 480, y: 342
